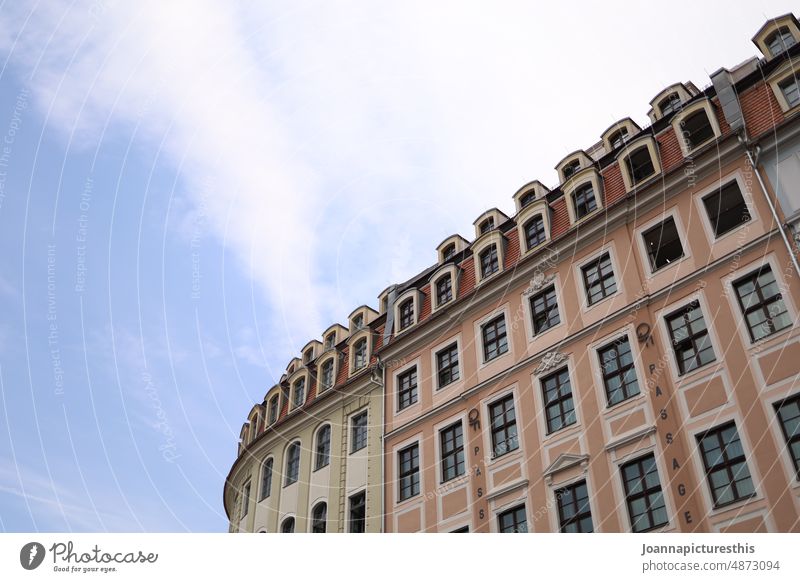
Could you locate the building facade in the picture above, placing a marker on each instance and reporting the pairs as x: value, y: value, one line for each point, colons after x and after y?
x: 619, y: 355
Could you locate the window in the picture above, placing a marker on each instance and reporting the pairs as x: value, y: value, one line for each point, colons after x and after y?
x: 640, y: 165
x: 359, y: 432
x: 273, y: 409
x: 663, y: 244
x: 513, y: 520
x: 309, y: 355
x: 618, y: 138
x: 495, y: 342
x: 266, y: 479
x: 645, y: 500
x: 319, y: 518
x: 527, y: 199
x: 330, y: 340
x: 504, y: 426
x: 447, y: 365
x: 408, y: 473
x: 571, y: 168
x: 292, y: 464
x: 762, y: 303
x: 584, y: 201
x: 323, y: 456
x: 690, y: 339
x: 788, y: 413
x: 544, y: 310
x: 326, y: 378
x: 559, y: 407
x: 360, y: 354
x: 779, y: 41
x: 358, y: 321
x: 357, y: 523
x: 407, y: 388
x: 574, y: 513
x: 288, y: 525
x: 725, y: 465
x: 444, y: 289
x: 407, y: 313
x: 489, y: 264
x: 464, y: 529
x: 487, y: 225
x: 669, y: 104
x: 534, y: 232
x: 790, y: 91
x: 697, y: 128
x: 726, y: 208
x: 449, y: 252
x: 451, y: 440
x: 299, y: 393
x: 619, y: 373
x: 598, y: 278
x: 245, y: 498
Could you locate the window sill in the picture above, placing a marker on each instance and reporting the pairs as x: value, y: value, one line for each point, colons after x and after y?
x: 587, y: 306
x: 738, y: 504
x: 506, y: 456
x: 665, y: 268
x: 760, y: 345
x: 485, y: 363
x: 708, y: 368
x: 630, y: 402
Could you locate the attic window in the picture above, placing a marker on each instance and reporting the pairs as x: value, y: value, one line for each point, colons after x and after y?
x: 618, y: 138
x: 489, y: 262
x: 697, y: 128
x: 669, y: 104
x: 790, y: 91
x: 330, y: 340
x: 487, y: 225
x: 571, y: 168
x: 449, y: 251
x: 358, y: 321
x: 780, y: 40
x: 640, y: 165
x: 309, y: 355
x: 527, y: 199
x: 407, y: 313
x: 584, y: 201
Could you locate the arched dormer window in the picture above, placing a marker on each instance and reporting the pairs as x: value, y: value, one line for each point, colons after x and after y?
x: 450, y: 247
x: 406, y: 309
x: 266, y: 478
x: 444, y: 289
x: 406, y: 313
x: 695, y: 126
x: 670, y: 100
x: 639, y: 162
x: 777, y: 35
x: 299, y: 393
x: 583, y: 194
x: 287, y: 526
x: 489, y: 261
x: 488, y: 252
x: 572, y: 164
x: 669, y: 104
x: 535, y: 233
x: 273, y: 409
x: 358, y: 321
x: 327, y: 373
x: 488, y: 222
x: 319, y: 517
x: 322, y: 451
x: 444, y: 286
x: 571, y: 168
x: 486, y: 225
x: 359, y: 357
x: 530, y: 193
x: 292, y: 464
x: 449, y: 251
x: 618, y: 134
x: 533, y: 225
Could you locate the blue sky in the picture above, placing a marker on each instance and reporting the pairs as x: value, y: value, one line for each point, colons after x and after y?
x: 189, y: 193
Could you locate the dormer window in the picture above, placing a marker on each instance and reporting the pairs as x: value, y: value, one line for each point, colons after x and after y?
x: 487, y: 225
x: 360, y: 354
x: 489, y: 262
x: 697, y: 128
x: 780, y: 40
x: 640, y: 165
x: 584, y: 201
x: 326, y: 375
x: 618, y: 138
x: 407, y: 313
x: 308, y: 355
x: 449, y: 252
x: 571, y: 168
x: 358, y: 321
x: 527, y: 199
x: 273, y: 410
x: 330, y: 340
x: 790, y: 91
x: 669, y: 104
x: 444, y: 289
x: 535, y: 233
x: 299, y: 393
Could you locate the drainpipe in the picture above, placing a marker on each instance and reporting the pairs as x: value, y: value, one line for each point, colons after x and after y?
x: 383, y: 430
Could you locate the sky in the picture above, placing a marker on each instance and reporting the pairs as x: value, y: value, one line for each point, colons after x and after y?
x: 191, y: 191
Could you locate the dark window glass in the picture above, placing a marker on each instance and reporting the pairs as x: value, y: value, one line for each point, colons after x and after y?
x: 447, y: 365
x: 513, y: 520
x: 319, y: 518
x: 788, y: 413
x: 464, y: 529
x: 444, y: 290
x: 790, y: 91
x: 780, y: 40
x: 452, y: 444
x: 487, y: 225
x: 571, y: 168
x: 292, y: 464
x: 618, y: 138
x: 534, y: 232
x: 527, y: 199
x: 726, y: 208
x: 494, y: 338
x: 489, y: 263
x: 358, y: 321
x: 504, y: 426
x: 360, y: 354
x: 663, y: 244
x: 245, y: 499
x: 408, y: 471
x: 273, y: 409
x: 406, y: 313
x: 697, y: 128
x: 544, y: 310
x: 309, y: 355
x: 584, y: 201
x: 288, y: 525
x: 574, y: 513
x: 619, y: 373
x: 327, y: 376
x: 266, y: 479
x: 670, y: 103
x: 725, y: 465
x: 762, y: 303
x: 690, y: 339
x: 359, y: 432
x: 643, y: 494
x: 559, y: 407
x: 449, y: 252
x: 640, y: 165
x: 330, y: 340
x: 358, y: 513
x: 407, y: 388
x: 299, y: 392
x: 598, y: 278
x: 323, y: 456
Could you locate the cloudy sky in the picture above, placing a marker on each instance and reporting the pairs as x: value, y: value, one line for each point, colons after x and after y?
x: 190, y: 191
